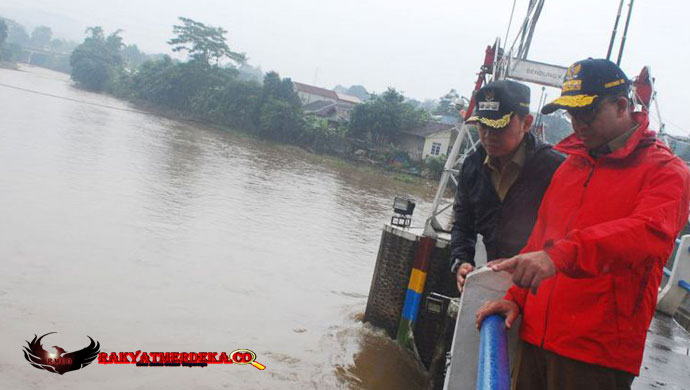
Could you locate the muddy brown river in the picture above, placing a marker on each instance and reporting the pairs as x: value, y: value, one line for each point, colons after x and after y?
x: 157, y: 235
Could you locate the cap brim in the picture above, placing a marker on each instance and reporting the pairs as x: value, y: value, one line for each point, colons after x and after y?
x: 495, y: 123
x: 568, y: 101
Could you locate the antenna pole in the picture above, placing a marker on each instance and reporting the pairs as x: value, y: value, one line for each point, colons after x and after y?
x: 615, y: 30
x: 625, y: 33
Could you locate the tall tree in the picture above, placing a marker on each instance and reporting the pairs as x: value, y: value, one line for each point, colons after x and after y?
x: 41, y: 36
x: 449, y: 104
x: 95, y: 62
x: 133, y: 56
x: 205, y: 44
x: 384, y: 116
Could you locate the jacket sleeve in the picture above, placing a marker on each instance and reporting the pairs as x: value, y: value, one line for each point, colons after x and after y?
x: 517, y: 295
x: 463, y: 234
x: 646, y: 235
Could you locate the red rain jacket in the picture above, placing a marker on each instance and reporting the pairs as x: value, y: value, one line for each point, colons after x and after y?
x: 609, y: 225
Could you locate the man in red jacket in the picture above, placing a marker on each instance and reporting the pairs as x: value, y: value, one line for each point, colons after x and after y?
x: 586, y: 282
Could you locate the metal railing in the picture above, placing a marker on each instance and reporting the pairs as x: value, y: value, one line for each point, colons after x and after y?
x: 493, y: 368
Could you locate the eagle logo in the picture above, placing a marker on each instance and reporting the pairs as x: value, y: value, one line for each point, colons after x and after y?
x: 60, y: 361
x: 489, y: 95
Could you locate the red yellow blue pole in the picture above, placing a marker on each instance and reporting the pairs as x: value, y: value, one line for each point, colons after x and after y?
x: 415, y: 289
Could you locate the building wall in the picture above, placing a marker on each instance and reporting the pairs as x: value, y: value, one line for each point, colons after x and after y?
x: 413, y: 145
x: 442, y: 138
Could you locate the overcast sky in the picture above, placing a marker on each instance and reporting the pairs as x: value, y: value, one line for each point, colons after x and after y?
x: 423, y: 48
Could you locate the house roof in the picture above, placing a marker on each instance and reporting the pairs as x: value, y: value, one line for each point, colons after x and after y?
x: 348, y: 98
x: 310, y: 89
x: 428, y: 129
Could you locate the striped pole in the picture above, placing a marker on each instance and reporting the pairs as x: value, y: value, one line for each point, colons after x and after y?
x: 493, y: 371
x: 415, y: 289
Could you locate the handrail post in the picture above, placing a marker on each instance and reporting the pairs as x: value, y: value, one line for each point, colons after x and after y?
x: 493, y: 369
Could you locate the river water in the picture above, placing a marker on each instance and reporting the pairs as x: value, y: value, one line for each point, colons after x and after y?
x: 158, y: 235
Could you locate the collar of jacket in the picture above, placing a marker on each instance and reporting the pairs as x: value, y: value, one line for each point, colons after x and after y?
x: 643, y: 137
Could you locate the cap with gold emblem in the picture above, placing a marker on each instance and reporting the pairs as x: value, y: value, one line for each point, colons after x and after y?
x: 587, y: 80
x: 498, y: 101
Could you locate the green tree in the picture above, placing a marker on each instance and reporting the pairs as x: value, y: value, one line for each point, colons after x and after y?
x: 132, y: 56
x: 205, y: 44
x: 232, y: 104
x: 359, y: 91
x: 3, y: 32
x: 96, y: 61
x: 280, y: 114
x: 41, y: 36
x: 16, y: 33
x: 448, y: 104
x: 280, y: 89
x: 384, y: 116
x: 114, y: 41
x: 62, y: 46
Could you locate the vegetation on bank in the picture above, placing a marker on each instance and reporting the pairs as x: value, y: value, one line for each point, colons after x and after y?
x: 209, y: 86
x: 38, y: 48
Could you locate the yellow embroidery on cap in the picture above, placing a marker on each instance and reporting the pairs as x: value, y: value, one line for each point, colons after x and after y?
x: 524, y: 104
x: 614, y: 83
x: 573, y: 71
x: 496, y: 123
x: 572, y: 85
x: 575, y: 100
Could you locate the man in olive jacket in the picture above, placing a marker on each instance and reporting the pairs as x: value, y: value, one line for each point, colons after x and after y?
x: 502, y: 183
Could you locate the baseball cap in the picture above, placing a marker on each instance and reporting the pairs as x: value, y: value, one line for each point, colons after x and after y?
x: 587, y: 80
x: 498, y: 101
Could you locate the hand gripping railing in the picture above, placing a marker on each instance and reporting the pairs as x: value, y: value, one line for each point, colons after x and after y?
x: 493, y: 369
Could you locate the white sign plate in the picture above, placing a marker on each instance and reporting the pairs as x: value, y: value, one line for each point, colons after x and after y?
x: 537, y: 72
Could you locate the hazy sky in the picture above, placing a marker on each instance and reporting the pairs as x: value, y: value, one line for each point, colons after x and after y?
x: 423, y: 48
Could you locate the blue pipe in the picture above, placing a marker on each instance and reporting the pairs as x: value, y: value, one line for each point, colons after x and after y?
x: 684, y: 285
x: 493, y: 370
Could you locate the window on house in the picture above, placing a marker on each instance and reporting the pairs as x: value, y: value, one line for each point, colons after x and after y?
x: 435, y: 148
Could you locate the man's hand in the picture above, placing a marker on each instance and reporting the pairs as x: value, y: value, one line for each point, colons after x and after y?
x: 528, y: 269
x: 463, y: 270
x: 507, y: 308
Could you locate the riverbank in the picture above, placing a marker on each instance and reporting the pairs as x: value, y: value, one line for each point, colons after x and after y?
x: 359, y: 165
x: 9, y: 65
x: 363, y: 166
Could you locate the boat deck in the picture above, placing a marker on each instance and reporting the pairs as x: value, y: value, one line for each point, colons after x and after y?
x: 666, y: 363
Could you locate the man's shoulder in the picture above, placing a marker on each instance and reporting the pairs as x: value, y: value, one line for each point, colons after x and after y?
x: 660, y: 156
x: 475, y: 159
x: 545, y: 155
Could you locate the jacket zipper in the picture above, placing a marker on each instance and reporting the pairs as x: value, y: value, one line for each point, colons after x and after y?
x: 548, y: 303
